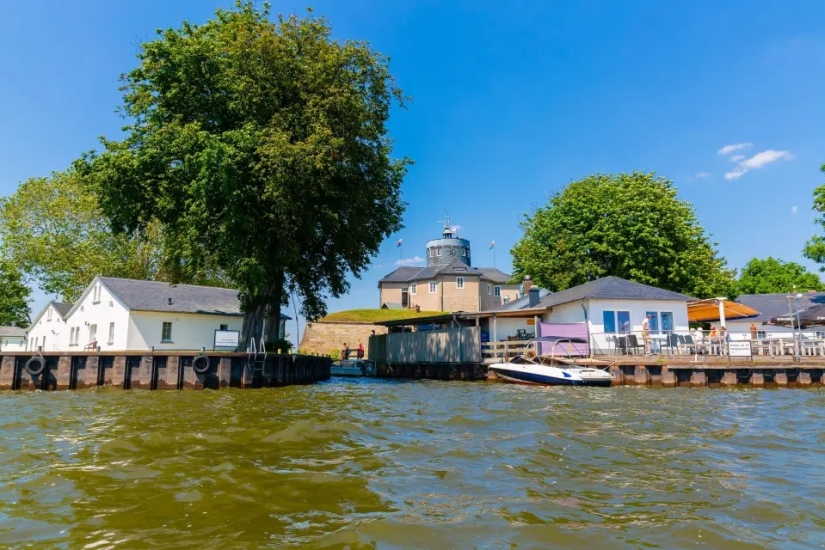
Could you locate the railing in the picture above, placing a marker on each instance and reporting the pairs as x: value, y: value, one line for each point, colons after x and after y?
x: 506, y: 350
x: 706, y: 344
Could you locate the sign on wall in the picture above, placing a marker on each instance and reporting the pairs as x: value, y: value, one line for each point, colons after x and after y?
x: 740, y: 348
x: 227, y: 338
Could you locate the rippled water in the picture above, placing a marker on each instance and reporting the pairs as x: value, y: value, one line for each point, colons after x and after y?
x: 387, y: 464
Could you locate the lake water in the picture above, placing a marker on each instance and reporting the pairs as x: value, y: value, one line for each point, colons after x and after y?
x: 389, y: 464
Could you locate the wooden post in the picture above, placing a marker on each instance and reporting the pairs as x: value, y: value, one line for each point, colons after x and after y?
x: 64, y: 372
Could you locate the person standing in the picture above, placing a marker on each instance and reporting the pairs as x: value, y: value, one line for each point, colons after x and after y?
x: 646, y: 333
x: 754, y: 333
x: 360, y: 350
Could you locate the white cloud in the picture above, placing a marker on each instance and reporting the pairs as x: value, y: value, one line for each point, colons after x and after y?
x: 737, y: 158
x: 793, y: 209
x: 759, y: 160
x: 414, y: 261
x: 702, y: 175
x: 728, y: 149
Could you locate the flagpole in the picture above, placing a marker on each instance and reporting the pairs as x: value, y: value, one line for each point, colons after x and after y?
x: 494, y: 256
x: 401, y: 255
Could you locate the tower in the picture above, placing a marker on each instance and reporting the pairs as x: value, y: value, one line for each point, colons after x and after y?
x: 448, y: 248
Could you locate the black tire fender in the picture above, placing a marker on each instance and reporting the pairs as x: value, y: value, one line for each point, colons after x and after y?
x: 35, y: 365
x: 201, y: 364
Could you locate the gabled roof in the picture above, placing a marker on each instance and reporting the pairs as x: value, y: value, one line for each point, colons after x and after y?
x: 611, y: 288
x: 495, y: 275
x: 456, y: 267
x: 61, y: 308
x: 770, y: 306
x: 12, y: 332
x: 137, y: 295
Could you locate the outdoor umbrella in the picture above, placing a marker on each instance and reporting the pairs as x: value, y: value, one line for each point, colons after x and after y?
x: 811, y: 317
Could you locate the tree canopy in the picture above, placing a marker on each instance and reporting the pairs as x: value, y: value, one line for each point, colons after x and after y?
x: 54, y: 230
x: 14, y: 298
x: 770, y: 276
x: 262, y: 146
x: 815, y: 247
x: 627, y: 225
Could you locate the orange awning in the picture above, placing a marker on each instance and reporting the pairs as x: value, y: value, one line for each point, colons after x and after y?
x: 708, y: 310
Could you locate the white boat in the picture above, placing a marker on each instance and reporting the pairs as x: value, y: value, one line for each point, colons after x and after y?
x: 544, y: 370
x: 353, y: 367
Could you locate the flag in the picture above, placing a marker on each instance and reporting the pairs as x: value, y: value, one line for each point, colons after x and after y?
x: 492, y: 244
x: 398, y: 243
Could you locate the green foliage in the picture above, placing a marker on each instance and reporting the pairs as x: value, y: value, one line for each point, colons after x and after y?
x: 261, y: 146
x: 335, y: 354
x: 281, y: 344
x: 374, y: 315
x: 14, y: 296
x: 54, y: 230
x: 627, y: 225
x: 815, y: 247
x: 770, y: 276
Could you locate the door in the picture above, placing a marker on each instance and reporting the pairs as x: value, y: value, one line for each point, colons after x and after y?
x: 405, y: 298
x: 92, y: 334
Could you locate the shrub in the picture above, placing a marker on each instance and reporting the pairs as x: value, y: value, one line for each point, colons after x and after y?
x: 274, y: 345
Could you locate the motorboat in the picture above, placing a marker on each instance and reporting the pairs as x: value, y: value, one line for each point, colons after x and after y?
x: 548, y: 371
x: 353, y: 368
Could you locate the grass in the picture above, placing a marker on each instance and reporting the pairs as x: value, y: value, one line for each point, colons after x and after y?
x: 374, y: 315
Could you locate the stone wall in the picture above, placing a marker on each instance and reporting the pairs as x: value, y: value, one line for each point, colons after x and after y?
x: 326, y: 338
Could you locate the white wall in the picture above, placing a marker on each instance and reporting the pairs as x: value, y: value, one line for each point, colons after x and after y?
x: 89, y: 311
x: 573, y: 313
x: 51, y: 327
x: 13, y: 343
x: 190, y: 331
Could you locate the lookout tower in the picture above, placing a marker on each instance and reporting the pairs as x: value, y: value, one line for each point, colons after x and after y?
x: 448, y: 248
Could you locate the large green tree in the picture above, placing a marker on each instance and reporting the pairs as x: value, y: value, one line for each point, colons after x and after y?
x: 262, y: 146
x: 628, y: 225
x: 53, y: 229
x: 815, y: 247
x: 14, y: 296
x: 771, y: 276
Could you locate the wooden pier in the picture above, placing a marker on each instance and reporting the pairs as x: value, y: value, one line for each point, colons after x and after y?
x: 158, y: 371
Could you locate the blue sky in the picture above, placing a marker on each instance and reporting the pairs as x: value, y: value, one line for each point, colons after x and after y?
x: 509, y: 105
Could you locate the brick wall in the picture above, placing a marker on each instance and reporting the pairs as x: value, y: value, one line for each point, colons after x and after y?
x: 324, y: 338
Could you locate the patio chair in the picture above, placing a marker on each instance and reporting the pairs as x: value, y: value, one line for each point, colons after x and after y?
x: 686, y: 344
x: 673, y: 342
x: 633, y: 343
x: 620, y: 343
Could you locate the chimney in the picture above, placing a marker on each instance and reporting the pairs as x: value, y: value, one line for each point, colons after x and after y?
x: 527, y: 284
x: 170, y: 300
x: 534, y: 297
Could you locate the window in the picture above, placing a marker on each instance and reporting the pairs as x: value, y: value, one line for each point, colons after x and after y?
x: 464, y: 252
x: 432, y: 253
x: 414, y: 288
x: 489, y: 288
x: 36, y: 340
x: 71, y: 336
x: 438, y: 252
x: 224, y: 327
x: 763, y: 334
x: 667, y: 321
x: 96, y: 294
x: 76, y: 335
x: 459, y: 282
x: 92, y: 333
x: 49, y: 314
x: 497, y: 290
x: 433, y: 287
x: 111, y: 333
x: 166, y: 333
x: 44, y: 343
x: 623, y: 319
x: 609, y: 321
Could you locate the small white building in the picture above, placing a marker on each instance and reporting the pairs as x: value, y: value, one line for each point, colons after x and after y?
x: 48, y: 327
x: 12, y: 339
x: 771, y: 306
x: 130, y: 315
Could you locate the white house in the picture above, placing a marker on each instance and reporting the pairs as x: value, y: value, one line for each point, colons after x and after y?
x: 125, y: 315
x: 48, y: 328
x: 12, y: 339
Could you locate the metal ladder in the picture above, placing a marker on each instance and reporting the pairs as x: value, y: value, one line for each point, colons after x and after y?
x: 256, y: 359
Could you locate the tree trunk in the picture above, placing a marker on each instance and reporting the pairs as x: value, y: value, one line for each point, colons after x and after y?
x: 263, y: 320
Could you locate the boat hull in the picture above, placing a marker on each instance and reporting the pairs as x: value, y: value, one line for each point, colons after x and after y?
x: 546, y: 376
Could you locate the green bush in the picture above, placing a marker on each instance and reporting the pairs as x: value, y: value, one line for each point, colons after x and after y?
x: 335, y: 354
x: 274, y: 345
